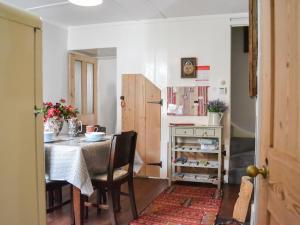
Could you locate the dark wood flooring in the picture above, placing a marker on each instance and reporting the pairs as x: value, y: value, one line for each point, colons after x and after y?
x: 145, y: 191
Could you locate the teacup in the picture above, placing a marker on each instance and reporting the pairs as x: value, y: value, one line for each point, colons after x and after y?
x: 48, y: 136
x: 90, y: 129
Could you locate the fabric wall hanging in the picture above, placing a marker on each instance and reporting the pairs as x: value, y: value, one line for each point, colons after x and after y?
x: 187, y: 101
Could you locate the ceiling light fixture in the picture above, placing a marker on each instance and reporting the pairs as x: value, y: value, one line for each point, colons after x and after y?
x: 86, y: 2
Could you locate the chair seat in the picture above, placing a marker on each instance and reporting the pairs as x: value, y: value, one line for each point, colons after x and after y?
x: 117, y: 175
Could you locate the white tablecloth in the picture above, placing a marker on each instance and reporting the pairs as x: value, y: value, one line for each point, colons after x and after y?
x: 76, y: 161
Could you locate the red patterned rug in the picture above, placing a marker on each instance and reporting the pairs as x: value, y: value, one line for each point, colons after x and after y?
x: 182, y: 205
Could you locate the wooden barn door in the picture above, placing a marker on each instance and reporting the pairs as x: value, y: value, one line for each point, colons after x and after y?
x: 279, y: 193
x: 140, y: 112
x: 153, y: 127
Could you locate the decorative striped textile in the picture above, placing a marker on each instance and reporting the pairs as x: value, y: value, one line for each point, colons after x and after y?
x: 182, y: 205
x: 187, y: 101
x: 203, y: 100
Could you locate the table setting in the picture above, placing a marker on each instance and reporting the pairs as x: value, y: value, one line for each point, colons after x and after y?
x: 76, y: 154
x: 73, y: 156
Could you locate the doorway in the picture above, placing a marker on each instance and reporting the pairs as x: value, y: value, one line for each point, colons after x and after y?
x: 105, y: 85
x: 242, y: 142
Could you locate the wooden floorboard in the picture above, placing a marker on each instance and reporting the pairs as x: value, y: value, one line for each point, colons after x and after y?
x: 145, y: 191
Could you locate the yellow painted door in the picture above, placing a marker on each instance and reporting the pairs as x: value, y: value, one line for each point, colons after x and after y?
x: 22, y: 191
x: 279, y: 193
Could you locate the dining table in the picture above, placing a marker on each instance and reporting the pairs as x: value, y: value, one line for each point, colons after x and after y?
x: 76, y: 160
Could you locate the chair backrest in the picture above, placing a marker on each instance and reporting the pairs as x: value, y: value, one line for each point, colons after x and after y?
x: 122, y: 151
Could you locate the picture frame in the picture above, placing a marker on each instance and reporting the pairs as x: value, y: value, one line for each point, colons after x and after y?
x: 188, y: 67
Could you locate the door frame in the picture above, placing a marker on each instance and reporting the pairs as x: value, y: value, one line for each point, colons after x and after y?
x: 259, y: 192
x: 242, y: 22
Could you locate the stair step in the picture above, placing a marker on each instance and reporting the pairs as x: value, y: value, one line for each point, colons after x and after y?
x: 235, y: 175
x: 239, y: 145
x: 242, y: 160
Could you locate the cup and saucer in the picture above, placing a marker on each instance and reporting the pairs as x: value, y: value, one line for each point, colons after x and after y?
x: 95, y: 136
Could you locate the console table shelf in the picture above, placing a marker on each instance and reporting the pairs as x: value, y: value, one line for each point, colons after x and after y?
x: 190, y: 177
x: 195, y: 154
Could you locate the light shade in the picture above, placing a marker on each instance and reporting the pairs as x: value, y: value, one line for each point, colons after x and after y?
x: 86, y: 2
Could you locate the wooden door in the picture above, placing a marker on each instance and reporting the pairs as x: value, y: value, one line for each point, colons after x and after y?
x: 128, y: 109
x: 137, y: 83
x: 139, y: 113
x: 279, y: 194
x: 133, y: 112
x: 153, y: 127
x: 83, y: 87
x: 22, y: 174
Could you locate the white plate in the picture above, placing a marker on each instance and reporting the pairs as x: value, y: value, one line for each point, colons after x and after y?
x: 50, y: 141
x: 89, y: 140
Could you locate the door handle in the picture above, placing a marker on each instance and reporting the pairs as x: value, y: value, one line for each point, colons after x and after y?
x: 123, y: 104
x: 253, y: 171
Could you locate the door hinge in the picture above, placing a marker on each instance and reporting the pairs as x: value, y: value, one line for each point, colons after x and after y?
x: 160, y: 102
x: 155, y: 164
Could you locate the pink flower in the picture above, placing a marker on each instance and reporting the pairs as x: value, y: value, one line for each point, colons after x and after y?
x: 53, y: 112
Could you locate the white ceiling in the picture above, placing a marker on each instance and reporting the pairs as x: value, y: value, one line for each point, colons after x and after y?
x: 125, y: 10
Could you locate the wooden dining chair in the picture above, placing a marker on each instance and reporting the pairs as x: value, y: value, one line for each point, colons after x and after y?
x: 54, y: 195
x: 121, y: 154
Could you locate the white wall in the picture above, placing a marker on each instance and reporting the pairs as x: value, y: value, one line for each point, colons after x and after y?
x: 154, y: 48
x: 55, y: 62
x: 107, y: 93
x: 242, y: 106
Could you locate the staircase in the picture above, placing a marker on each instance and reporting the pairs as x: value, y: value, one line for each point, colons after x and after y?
x: 242, y: 154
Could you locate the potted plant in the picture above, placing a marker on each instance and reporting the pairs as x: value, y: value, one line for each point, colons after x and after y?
x: 56, y: 114
x: 216, y: 109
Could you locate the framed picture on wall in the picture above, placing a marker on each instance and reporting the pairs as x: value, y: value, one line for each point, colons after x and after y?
x: 188, y: 67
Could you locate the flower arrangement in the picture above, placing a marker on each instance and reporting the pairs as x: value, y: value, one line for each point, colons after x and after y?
x: 216, y: 106
x: 56, y: 114
x: 58, y: 111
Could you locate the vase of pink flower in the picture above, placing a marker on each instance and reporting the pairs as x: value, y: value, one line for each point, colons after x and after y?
x: 56, y: 114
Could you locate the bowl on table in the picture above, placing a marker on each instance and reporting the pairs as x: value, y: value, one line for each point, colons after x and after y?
x: 94, y: 136
x: 48, y: 136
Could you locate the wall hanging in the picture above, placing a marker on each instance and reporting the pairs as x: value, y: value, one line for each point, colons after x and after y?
x: 187, y: 101
x: 188, y: 67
